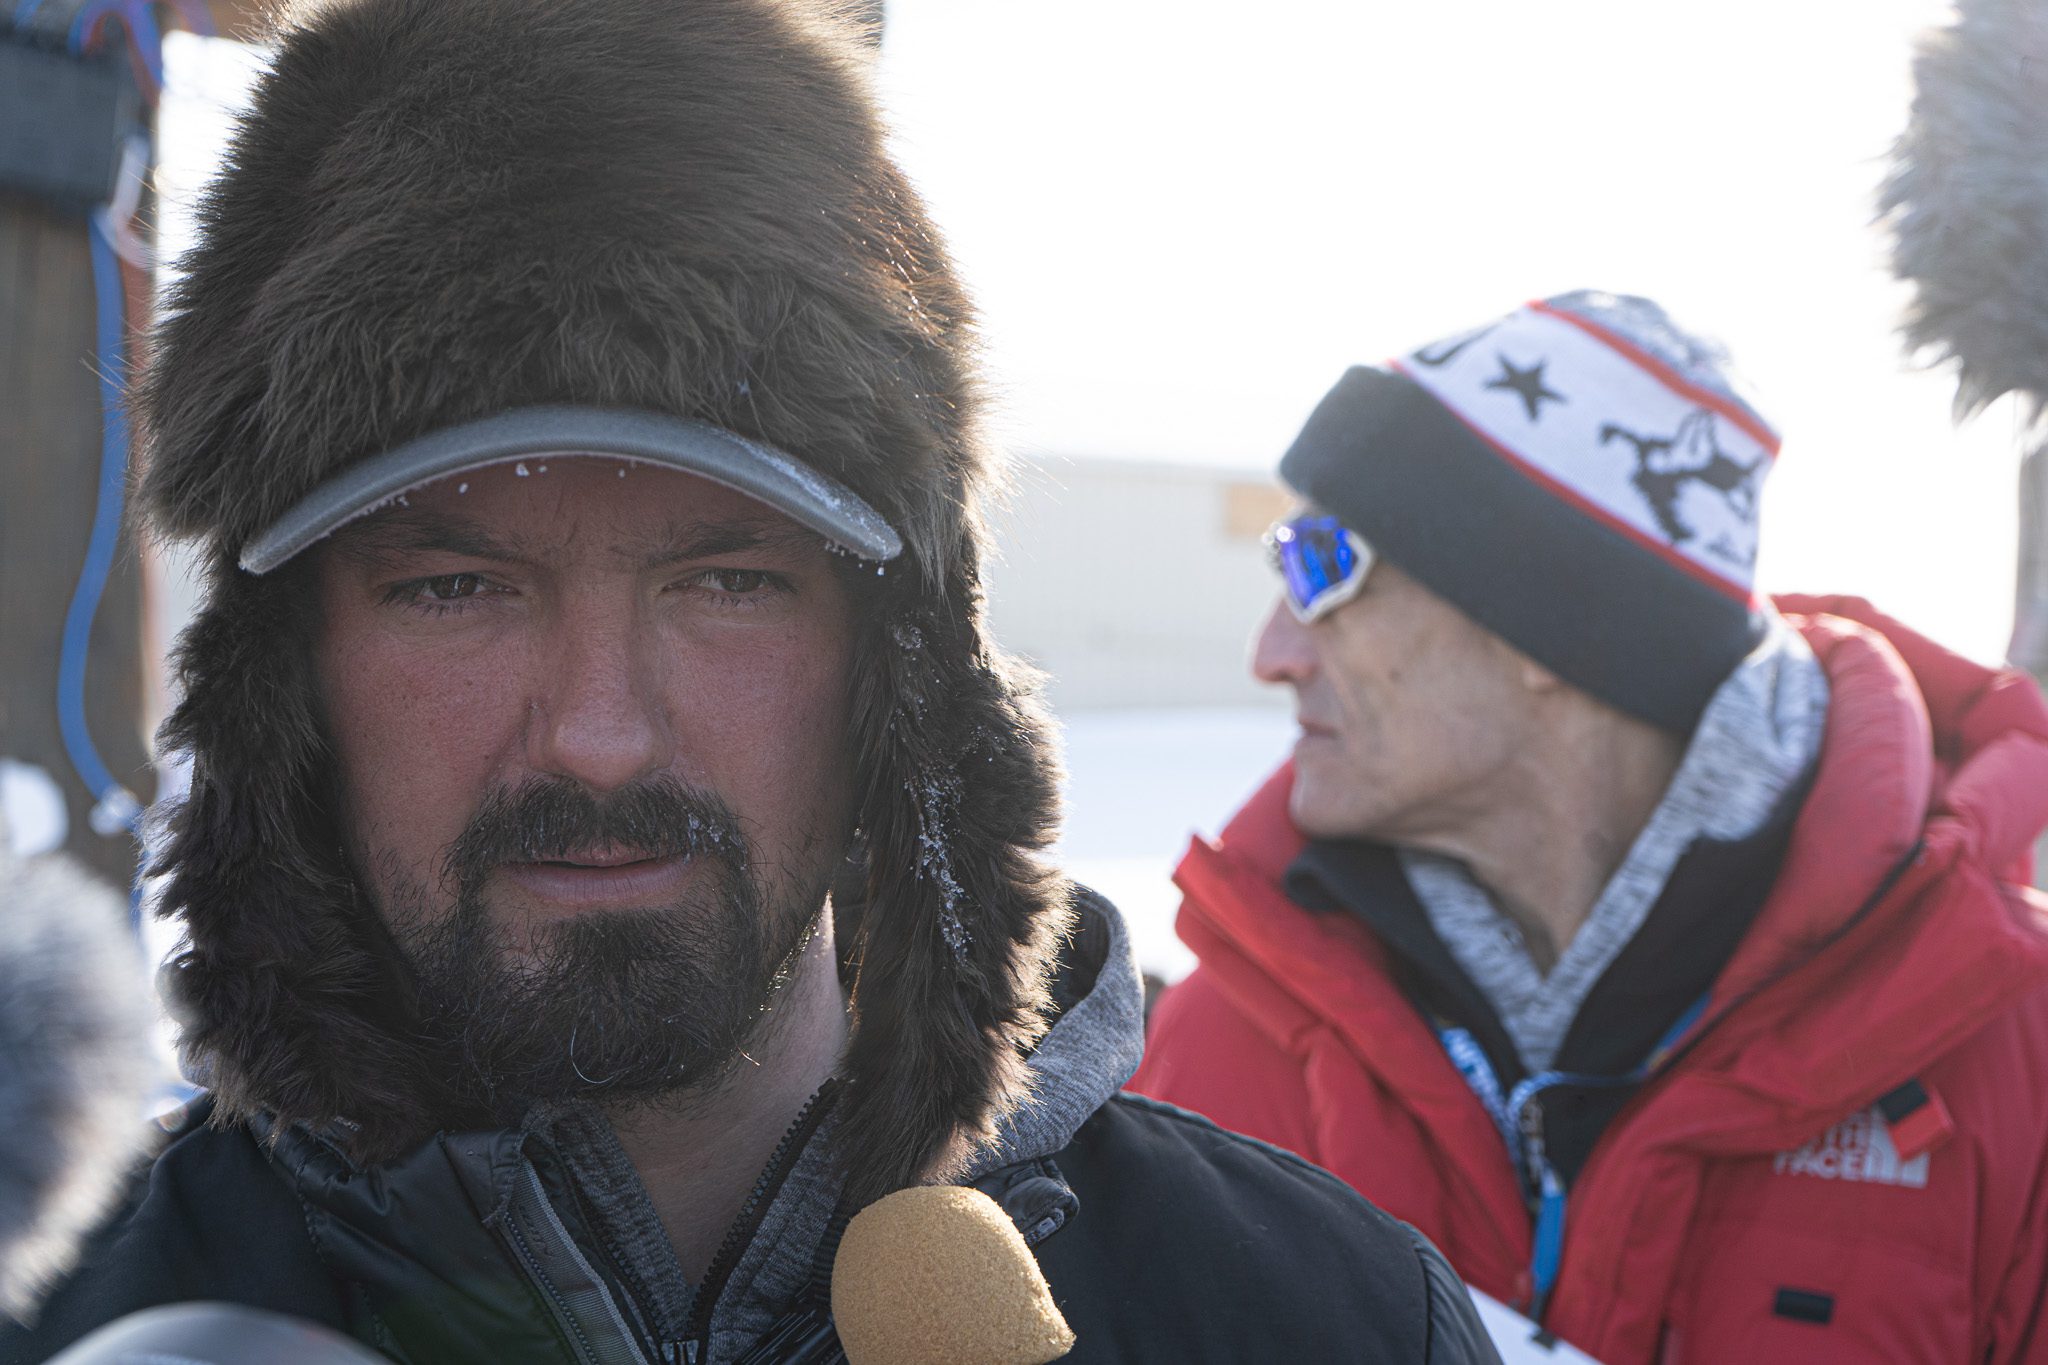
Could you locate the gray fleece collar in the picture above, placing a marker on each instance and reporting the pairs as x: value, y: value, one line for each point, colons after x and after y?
x: 1758, y: 737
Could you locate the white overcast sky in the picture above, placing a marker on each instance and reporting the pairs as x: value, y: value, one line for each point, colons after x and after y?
x: 1184, y: 220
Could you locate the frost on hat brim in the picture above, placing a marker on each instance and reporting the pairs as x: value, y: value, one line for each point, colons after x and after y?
x: 803, y: 494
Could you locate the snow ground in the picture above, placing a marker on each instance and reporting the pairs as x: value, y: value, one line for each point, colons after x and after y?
x: 1139, y: 783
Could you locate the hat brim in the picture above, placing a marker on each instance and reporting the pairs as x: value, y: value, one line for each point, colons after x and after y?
x: 762, y: 472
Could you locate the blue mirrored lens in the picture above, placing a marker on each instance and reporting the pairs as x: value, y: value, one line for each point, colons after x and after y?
x: 1315, y: 557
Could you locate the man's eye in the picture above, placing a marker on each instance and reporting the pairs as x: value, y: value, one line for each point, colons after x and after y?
x: 452, y: 587
x: 737, y: 589
x: 744, y: 580
x: 443, y: 591
x: 738, y: 582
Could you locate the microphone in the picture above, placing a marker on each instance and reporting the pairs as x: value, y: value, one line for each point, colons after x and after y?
x: 1964, y: 201
x: 213, y: 1334
x: 75, y: 1073
x: 74, y: 1067
x: 939, y: 1275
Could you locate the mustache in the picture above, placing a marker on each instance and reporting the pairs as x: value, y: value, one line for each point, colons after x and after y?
x: 550, y: 819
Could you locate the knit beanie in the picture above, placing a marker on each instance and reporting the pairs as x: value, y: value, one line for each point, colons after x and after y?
x: 1580, y: 477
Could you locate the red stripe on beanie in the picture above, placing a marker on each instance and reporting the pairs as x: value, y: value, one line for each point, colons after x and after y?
x: 1670, y: 378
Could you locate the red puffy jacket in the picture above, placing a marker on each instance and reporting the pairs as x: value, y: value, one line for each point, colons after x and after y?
x: 1750, y: 1187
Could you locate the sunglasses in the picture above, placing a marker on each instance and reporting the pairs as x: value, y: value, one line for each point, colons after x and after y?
x: 1322, y: 561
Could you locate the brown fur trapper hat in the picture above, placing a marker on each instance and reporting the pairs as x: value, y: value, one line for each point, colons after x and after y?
x: 442, y: 209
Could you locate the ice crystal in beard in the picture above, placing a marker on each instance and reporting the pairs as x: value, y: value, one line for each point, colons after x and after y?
x: 615, y: 1005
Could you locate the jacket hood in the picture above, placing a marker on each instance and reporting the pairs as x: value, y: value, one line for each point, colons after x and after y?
x: 1092, y: 1048
x: 1901, y: 917
x: 440, y: 209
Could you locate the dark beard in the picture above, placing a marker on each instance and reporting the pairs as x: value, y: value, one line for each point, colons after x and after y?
x: 615, y: 1007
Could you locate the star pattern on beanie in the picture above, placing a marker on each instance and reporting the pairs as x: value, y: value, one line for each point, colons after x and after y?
x: 1528, y: 383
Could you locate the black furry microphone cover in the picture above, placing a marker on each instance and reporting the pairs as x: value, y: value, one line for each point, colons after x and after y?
x: 1966, y: 200
x: 74, y: 1067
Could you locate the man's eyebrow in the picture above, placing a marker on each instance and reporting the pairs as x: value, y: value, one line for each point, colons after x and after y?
x: 401, y: 531
x: 410, y: 530
x: 688, y: 540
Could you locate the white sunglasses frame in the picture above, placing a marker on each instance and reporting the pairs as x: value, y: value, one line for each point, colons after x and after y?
x: 1331, y: 598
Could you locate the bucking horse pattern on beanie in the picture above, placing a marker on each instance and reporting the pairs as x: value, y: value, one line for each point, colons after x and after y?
x: 1690, y: 455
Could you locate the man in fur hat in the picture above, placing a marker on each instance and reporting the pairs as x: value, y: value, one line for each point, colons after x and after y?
x: 1661, y: 950
x: 576, y: 410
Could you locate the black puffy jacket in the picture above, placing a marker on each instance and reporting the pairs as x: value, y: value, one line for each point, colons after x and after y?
x: 1163, y: 1237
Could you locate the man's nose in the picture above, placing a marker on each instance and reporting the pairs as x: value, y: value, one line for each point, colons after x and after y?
x: 1282, y: 652
x: 600, y: 716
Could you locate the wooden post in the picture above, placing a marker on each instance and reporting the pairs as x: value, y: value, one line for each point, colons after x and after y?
x: 2030, y: 607
x: 50, y: 430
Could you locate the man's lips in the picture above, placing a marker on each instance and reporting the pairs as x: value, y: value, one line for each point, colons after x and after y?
x: 603, y: 877
x: 609, y: 855
x: 1314, y: 729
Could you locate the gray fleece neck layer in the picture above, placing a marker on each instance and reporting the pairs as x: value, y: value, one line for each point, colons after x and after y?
x: 1086, y: 1057
x: 1757, y: 738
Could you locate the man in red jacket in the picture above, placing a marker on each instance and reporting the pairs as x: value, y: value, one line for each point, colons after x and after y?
x: 1660, y: 951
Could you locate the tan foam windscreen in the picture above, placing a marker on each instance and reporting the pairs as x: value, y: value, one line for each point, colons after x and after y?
x: 938, y: 1275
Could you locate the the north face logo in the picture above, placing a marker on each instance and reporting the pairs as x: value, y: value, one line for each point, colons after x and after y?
x: 1858, y: 1148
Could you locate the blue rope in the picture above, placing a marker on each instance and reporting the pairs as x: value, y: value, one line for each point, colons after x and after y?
x: 106, y: 522
x: 84, y: 18
x: 1525, y: 1152
x: 146, y: 37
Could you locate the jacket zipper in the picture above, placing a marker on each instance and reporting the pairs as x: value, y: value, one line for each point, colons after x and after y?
x: 1713, y: 1021
x: 602, y: 1338
x: 697, y: 1340
x: 1213, y: 873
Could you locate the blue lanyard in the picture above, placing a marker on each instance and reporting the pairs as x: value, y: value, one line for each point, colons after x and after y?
x: 1521, y: 1129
